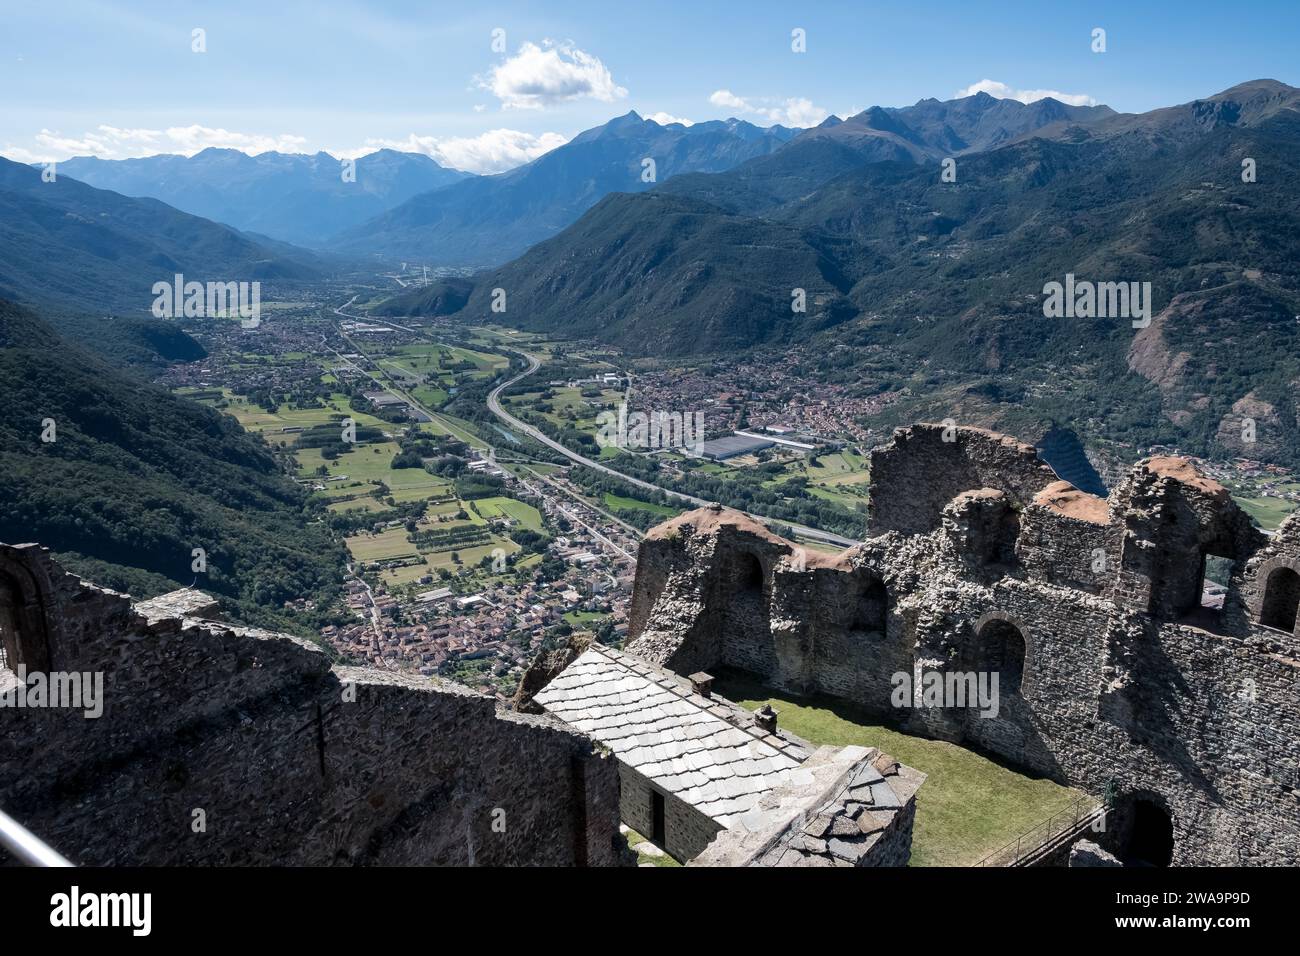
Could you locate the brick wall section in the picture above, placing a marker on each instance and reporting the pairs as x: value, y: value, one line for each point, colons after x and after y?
x: 259, y: 732
x: 1128, y: 685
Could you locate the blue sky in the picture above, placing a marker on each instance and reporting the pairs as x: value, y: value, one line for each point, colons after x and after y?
x: 120, y: 78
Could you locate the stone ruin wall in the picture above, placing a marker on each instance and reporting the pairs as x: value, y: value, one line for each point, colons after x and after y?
x: 1128, y: 685
x: 687, y: 830
x: 254, y: 729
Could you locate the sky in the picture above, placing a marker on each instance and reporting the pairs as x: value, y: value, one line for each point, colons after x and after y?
x: 485, y: 86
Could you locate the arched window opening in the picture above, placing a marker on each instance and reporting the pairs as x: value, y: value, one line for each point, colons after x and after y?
x: 1000, y: 649
x: 1281, y: 600
x: 751, y: 574
x: 22, y: 629
x: 871, y: 606
x: 10, y: 602
x: 1150, y: 837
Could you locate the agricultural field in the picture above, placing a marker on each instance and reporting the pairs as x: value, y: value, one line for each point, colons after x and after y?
x: 439, y: 542
x: 568, y: 407
x: 839, y: 476
x: 615, y: 502
x: 1268, y: 512
x: 281, y: 427
x: 453, y: 535
x: 518, y: 511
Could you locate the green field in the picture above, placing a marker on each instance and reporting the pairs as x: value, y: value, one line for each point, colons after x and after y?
x: 391, y: 543
x: 351, y: 480
x: 614, y: 502
x: 1268, y: 512
x: 968, y: 807
x: 394, y: 543
x: 525, y: 514
x: 271, y: 425
x: 568, y: 407
x: 585, y: 619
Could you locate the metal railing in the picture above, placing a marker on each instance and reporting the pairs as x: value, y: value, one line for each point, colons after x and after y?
x: 1035, y: 838
x: 25, y: 846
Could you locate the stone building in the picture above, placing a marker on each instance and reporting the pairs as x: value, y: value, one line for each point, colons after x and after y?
x: 1119, y: 672
x: 698, y: 772
x: 229, y: 745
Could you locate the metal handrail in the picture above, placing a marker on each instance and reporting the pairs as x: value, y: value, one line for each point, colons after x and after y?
x: 25, y: 845
x: 1046, y: 826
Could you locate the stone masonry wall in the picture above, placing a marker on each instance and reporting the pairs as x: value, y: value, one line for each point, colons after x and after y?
x: 281, y: 758
x: 1128, y: 686
x: 925, y: 466
x: 687, y: 831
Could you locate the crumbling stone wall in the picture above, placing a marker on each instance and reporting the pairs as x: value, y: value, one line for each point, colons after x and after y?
x: 225, y: 745
x: 925, y: 466
x: 1128, y: 685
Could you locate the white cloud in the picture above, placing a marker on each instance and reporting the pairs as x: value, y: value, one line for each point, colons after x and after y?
x: 792, y: 111
x: 729, y: 99
x: 111, y: 142
x: 492, y: 152
x: 1004, y: 92
x: 541, y: 76
x: 663, y: 119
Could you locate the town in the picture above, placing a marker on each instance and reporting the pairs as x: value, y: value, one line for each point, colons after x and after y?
x: 472, y: 549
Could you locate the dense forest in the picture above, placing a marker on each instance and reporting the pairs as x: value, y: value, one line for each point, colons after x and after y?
x: 124, y: 482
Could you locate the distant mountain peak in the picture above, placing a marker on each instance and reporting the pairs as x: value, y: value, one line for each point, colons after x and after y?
x: 491, y: 219
x: 1256, y: 86
x: 294, y: 197
x: 630, y: 118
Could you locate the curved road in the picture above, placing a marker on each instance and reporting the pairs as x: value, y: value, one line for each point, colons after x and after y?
x: 494, y: 405
x: 534, y: 363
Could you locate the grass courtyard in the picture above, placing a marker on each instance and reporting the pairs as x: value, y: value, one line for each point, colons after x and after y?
x: 969, y: 807
x: 1268, y: 512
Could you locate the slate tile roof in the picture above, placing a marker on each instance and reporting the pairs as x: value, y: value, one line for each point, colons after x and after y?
x: 699, y: 749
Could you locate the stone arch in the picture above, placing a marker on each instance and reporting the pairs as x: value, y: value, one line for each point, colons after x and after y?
x: 1148, y: 831
x: 1279, y: 594
x: 750, y: 575
x: 1001, y: 644
x: 24, y: 636
x: 870, y: 609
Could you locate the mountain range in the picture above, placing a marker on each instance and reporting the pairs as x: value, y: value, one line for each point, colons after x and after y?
x: 298, y: 198
x: 65, y: 245
x: 488, y: 220
x: 947, y: 278
x: 721, y: 258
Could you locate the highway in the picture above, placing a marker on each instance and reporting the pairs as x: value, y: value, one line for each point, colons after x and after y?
x: 534, y: 363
